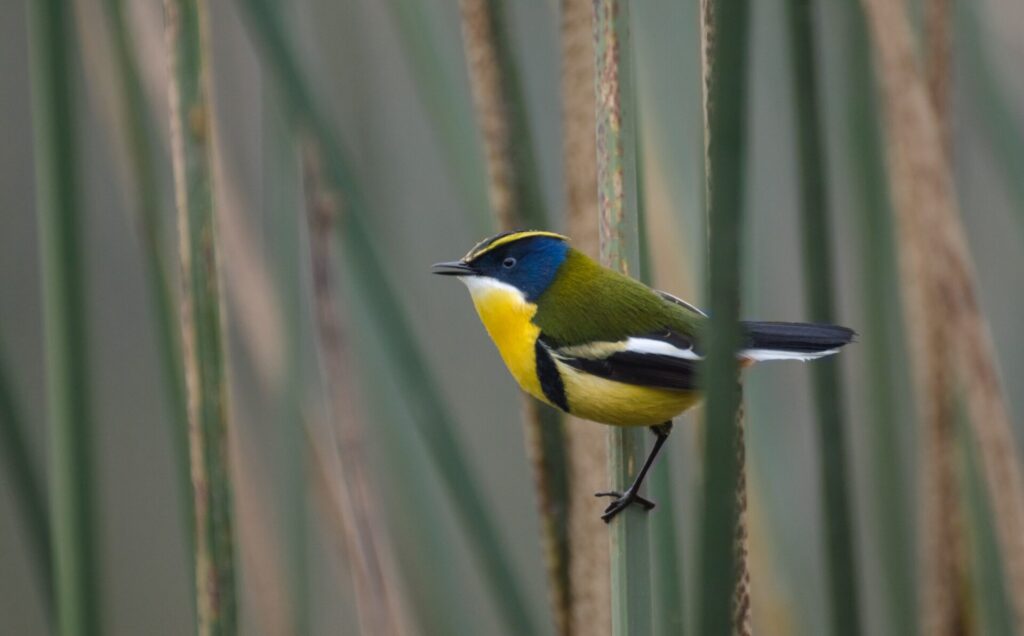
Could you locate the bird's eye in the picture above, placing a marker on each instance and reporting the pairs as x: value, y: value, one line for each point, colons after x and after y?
x: 508, y: 263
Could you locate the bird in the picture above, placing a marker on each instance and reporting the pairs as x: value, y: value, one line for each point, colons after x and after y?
x: 602, y: 346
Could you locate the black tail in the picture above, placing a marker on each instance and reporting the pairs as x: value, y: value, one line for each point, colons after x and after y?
x: 793, y: 340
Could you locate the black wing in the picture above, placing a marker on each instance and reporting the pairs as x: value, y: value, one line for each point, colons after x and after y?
x: 666, y: 360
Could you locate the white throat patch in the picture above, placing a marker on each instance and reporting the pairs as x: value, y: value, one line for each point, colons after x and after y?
x: 480, y: 286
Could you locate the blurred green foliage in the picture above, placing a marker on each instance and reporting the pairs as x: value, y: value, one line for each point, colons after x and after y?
x: 381, y: 90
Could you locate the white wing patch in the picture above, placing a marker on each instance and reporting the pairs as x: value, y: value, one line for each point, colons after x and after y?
x: 652, y: 346
x: 773, y: 354
x: 660, y: 347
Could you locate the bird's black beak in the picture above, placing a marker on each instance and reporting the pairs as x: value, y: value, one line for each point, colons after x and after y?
x: 452, y: 268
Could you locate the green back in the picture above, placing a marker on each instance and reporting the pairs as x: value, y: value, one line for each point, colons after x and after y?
x: 588, y: 302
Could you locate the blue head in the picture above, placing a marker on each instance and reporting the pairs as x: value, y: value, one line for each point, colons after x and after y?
x: 528, y: 261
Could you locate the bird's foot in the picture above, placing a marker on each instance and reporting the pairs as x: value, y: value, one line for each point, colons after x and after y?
x: 621, y: 501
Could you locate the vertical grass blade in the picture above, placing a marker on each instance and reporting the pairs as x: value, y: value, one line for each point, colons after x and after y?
x: 620, y: 250
x: 669, y: 609
x: 667, y: 602
x: 586, y: 452
x: 726, y: 51
x: 818, y: 284
x: 67, y: 363
x: 201, y: 319
x: 882, y: 336
x: 26, y: 484
x: 423, y: 395
x: 517, y: 202
x: 148, y: 209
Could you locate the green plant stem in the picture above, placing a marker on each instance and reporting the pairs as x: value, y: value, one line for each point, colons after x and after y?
x: 148, y: 209
x: 70, y: 409
x: 818, y: 283
x: 26, y: 484
x: 620, y: 250
x: 668, y: 608
x: 882, y: 334
x: 726, y: 102
x: 72, y: 486
x: 201, y: 320
x: 423, y: 396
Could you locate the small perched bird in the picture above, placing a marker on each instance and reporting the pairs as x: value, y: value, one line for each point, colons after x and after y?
x: 602, y: 346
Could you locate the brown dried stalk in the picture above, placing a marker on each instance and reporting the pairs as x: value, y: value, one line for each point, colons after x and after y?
x: 942, y: 606
x: 938, y: 45
x: 516, y: 201
x: 500, y: 110
x: 362, y: 529
x: 741, y: 618
x: 586, y: 448
x: 938, y: 278
x: 707, y: 36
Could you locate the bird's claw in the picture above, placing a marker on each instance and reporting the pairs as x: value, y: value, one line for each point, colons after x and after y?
x: 622, y: 500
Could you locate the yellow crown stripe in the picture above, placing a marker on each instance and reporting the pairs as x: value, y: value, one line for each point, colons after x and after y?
x: 495, y: 242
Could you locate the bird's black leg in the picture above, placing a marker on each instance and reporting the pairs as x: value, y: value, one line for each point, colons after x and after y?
x: 632, y: 493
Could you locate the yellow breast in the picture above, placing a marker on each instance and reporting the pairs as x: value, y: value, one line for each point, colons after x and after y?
x: 507, y: 316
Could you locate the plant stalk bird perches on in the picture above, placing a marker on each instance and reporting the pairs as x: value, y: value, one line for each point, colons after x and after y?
x: 602, y: 346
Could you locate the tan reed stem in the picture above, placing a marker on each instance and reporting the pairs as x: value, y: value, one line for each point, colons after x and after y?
x: 939, y: 280
x: 517, y: 202
x: 590, y: 584
x: 942, y: 606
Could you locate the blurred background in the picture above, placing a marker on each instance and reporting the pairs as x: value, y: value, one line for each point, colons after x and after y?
x: 391, y: 78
